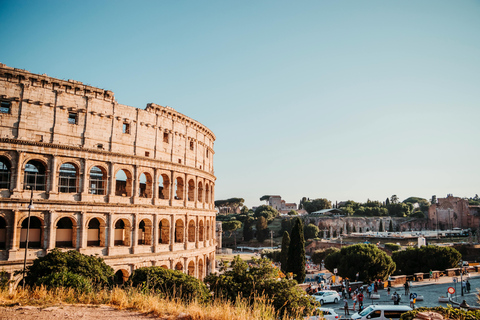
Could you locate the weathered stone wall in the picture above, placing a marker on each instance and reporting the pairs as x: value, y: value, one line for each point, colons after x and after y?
x: 78, y: 139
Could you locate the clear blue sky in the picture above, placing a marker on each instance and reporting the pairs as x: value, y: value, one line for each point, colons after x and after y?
x: 335, y: 99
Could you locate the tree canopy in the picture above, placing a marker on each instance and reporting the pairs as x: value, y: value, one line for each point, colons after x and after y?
x: 296, y: 252
x: 248, y: 281
x: 267, y: 212
x: 231, y: 226
x: 311, y: 231
x: 317, y: 204
x: 231, y: 204
x: 369, y: 261
x: 426, y: 258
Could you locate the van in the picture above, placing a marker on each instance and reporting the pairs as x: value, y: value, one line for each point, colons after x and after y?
x: 381, y: 312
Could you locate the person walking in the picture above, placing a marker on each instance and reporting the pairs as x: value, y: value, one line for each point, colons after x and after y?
x: 345, y: 305
x: 354, y: 298
x: 407, y: 288
x: 468, y: 286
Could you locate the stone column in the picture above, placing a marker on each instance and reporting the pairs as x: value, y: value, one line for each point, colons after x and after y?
x: 172, y: 187
x: 155, y: 186
x: 185, y: 232
x: 83, y: 228
x: 135, y: 184
x: 197, y: 230
x: 110, y: 234
x: 185, y: 265
x: 172, y: 232
x: 14, y: 236
x: 155, y: 233
x: 53, y: 190
x: 185, y: 190
x: 135, y: 233
x: 19, y: 171
x: 85, y: 175
x: 111, y: 181
x: 52, y: 229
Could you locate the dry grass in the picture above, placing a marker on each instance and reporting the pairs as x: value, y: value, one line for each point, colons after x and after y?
x: 132, y: 299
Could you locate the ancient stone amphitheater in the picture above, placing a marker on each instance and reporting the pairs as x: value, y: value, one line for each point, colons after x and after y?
x: 133, y: 186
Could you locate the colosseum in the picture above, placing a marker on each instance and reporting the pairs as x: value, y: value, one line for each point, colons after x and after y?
x: 133, y: 186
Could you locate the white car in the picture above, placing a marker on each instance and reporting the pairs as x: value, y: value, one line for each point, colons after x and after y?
x: 326, y: 296
x: 324, y: 313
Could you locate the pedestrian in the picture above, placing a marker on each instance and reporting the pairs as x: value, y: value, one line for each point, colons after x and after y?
x: 468, y: 286
x: 369, y: 291
x: 345, y: 306
x: 360, y: 300
x: 354, y: 298
x: 356, y: 277
x: 431, y: 274
x: 412, y: 301
x: 407, y: 288
x: 375, y: 287
x: 395, y: 298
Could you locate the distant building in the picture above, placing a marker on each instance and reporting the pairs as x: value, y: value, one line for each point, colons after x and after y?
x: 453, y: 212
x: 280, y: 205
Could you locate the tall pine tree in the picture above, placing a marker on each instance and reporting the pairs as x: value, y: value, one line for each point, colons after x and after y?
x: 284, y: 251
x: 296, y: 252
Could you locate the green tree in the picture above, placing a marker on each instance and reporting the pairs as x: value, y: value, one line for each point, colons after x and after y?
x: 311, y: 231
x: 231, y: 226
x: 293, y: 213
x: 267, y: 212
x: 69, y: 269
x: 240, y: 280
x: 425, y: 258
x: 247, y: 229
x: 284, y: 252
x: 399, y: 210
x: 262, y: 229
x: 366, y: 259
x: 287, y: 224
x: 317, y: 204
x: 229, y: 205
x: 394, y: 199
x: 265, y: 198
x: 170, y: 283
x: 296, y: 252
x: 320, y: 255
x: 380, y: 228
x: 390, y: 226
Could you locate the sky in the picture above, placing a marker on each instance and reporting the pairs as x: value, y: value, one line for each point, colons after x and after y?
x: 344, y: 100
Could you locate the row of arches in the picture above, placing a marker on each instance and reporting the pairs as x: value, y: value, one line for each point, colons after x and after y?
x: 35, y: 177
x: 66, y: 230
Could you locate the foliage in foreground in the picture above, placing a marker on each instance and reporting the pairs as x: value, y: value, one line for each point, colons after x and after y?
x: 148, y: 303
x: 448, y: 313
x: 369, y: 261
x: 426, y: 258
x: 70, y: 269
x: 241, y: 281
x: 169, y: 283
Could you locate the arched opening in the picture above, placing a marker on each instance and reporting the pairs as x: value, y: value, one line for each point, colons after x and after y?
x: 200, y: 230
x: 179, y: 189
x: 163, y: 187
x: 64, y: 235
x: 208, y: 230
x: 207, y: 192
x: 145, y: 187
x: 122, y: 233
x: 3, y: 233
x: 97, y: 181
x: 191, y: 268
x: 5, y: 172
x: 200, y: 269
x: 191, y: 231
x: 179, y: 266
x: 145, y: 232
x: 35, y: 176
x: 123, y: 183
x: 164, y: 228
x: 93, y: 233
x: 200, y: 191
x: 67, y: 178
x: 34, y: 234
x: 191, y: 190
x: 179, y: 231
x: 164, y: 266
x: 121, y: 276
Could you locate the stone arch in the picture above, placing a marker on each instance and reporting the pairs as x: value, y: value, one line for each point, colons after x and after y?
x: 123, y: 230
x: 207, y: 192
x: 145, y: 185
x: 35, y: 234
x: 164, y: 266
x: 66, y: 232
x: 145, y: 232
x: 164, y: 187
x: 121, y: 276
x: 5, y: 172
x: 191, y: 268
x: 208, y: 229
x: 123, y: 183
x: 179, y: 266
x: 35, y: 175
x: 200, y: 269
x: 191, y: 231
x: 179, y: 232
x: 179, y: 188
x: 200, y: 230
x: 96, y: 232
x: 3, y: 233
x: 164, y: 228
x: 191, y: 190
x: 200, y: 191
x: 97, y: 183
x: 68, y: 177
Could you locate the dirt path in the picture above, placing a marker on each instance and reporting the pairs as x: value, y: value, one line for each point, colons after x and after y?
x: 70, y: 312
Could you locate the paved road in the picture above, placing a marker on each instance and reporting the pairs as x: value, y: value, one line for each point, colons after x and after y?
x: 429, y: 289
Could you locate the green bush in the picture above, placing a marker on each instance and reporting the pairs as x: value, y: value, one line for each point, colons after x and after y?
x: 392, y: 246
x: 169, y: 283
x: 66, y: 279
x: 272, y: 254
x: 426, y: 258
x: 447, y: 313
x: 66, y: 264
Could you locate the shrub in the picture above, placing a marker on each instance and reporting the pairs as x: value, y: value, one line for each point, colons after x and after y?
x: 447, y: 313
x: 66, y: 279
x: 169, y: 283
x: 392, y: 246
x: 67, y: 264
x: 426, y: 258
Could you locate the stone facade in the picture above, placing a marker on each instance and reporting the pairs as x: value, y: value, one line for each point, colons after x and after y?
x: 453, y: 212
x: 133, y: 186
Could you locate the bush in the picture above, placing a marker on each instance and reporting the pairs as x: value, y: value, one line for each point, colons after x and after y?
x: 447, y: 313
x: 169, y: 283
x: 319, y: 255
x: 392, y: 246
x: 66, y: 279
x: 67, y: 264
x: 426, y: 258
x: 272, y: 254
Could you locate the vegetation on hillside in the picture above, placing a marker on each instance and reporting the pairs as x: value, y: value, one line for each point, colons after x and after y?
x: 426, y: 258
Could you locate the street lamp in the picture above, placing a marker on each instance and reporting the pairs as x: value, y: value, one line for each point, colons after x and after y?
x: 30, y: 207
x: 461, y: 276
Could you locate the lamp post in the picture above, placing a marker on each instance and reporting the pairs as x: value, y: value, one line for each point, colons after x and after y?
x: 461, y: 277
x: 30, y: 207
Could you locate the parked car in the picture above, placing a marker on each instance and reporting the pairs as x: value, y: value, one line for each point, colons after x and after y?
x: 324, y: 313
x: 326, y: 296
x: 381, y: 312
